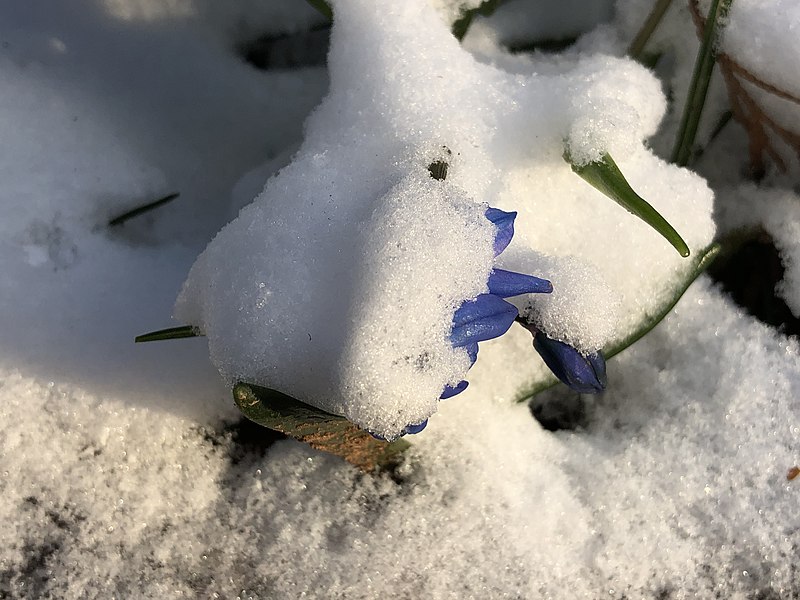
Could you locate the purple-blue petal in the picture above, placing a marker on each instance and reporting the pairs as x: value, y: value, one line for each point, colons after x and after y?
x: 472, y: 351
x: 585, y: 374
x: 504, y: 223
x: 508, y: 283
x: 453, y: 390
x: 412, y: 429
x: 491, y: 319
x: 484, y: 305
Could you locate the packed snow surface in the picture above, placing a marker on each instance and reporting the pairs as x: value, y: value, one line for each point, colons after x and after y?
x: 126, y: 470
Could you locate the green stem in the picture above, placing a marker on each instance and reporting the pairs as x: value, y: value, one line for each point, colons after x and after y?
x: 653, y: 19
x: 698, y: 88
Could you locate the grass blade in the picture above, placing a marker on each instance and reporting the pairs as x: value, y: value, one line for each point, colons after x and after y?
x: 653, y: 19
x: 698, y: 88
x: 172, y: 333
x: 142, y: 209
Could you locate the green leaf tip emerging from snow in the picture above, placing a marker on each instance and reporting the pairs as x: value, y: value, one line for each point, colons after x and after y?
x: 323, y: 7
x: 700, y: 263
x: 171, y: 333
x: 604, y: 175
x: 319, y: 429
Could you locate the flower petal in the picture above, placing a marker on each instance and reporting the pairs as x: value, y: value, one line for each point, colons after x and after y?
x: 412, y: 429
x: 484, y: 318
x: 504, y: 222
x: 585, y: 374
x: 484, y: 305
x: 472, y: 351
x: 453, y: 390
x: 508, y: 283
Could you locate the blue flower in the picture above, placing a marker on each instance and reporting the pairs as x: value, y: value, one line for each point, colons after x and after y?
x: 488, y: 315
x: 584, y: 373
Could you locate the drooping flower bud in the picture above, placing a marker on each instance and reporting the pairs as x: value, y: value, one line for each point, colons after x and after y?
x: 584, y: 373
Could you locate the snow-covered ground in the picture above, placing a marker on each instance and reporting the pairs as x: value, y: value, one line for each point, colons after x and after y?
x: 126, y: 470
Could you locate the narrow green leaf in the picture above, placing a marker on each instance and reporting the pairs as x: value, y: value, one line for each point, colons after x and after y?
x: 699, y: 264
x: 636, y: 48
x: 323, y: 7
x: 142, y: 209
x: 606, y: 177
x: 698, y: 87
x: 172, y: 333
x: 319, y: 429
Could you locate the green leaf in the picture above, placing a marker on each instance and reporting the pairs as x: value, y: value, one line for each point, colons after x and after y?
x: 323, y: 7
x: 140, y: 210
x: 172, y: 333
x: 699, y: 264
x: 698, y: 87
x: 605, y: 176
x: 319, y: 429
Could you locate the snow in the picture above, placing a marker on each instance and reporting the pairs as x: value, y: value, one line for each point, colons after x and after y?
x: 377, y: 349
x: 126, y: 469
x: 664, y: 493
x: 264, y: 318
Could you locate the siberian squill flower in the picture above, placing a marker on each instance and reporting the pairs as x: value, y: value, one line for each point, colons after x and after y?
x: 489, y: 316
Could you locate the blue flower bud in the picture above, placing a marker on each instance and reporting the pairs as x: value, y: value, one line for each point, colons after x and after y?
x: 584, y: 373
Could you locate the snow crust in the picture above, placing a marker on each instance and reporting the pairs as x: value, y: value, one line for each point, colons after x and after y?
x: 125, y: 469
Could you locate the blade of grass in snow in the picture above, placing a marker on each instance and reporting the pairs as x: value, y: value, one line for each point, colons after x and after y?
x: 172, y: 333
x: 319, y: 429
x: 701, y: 262
x: 698, y: 88
x: 142, y: 209
x: 653, y: 19
x: 605, y: 176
